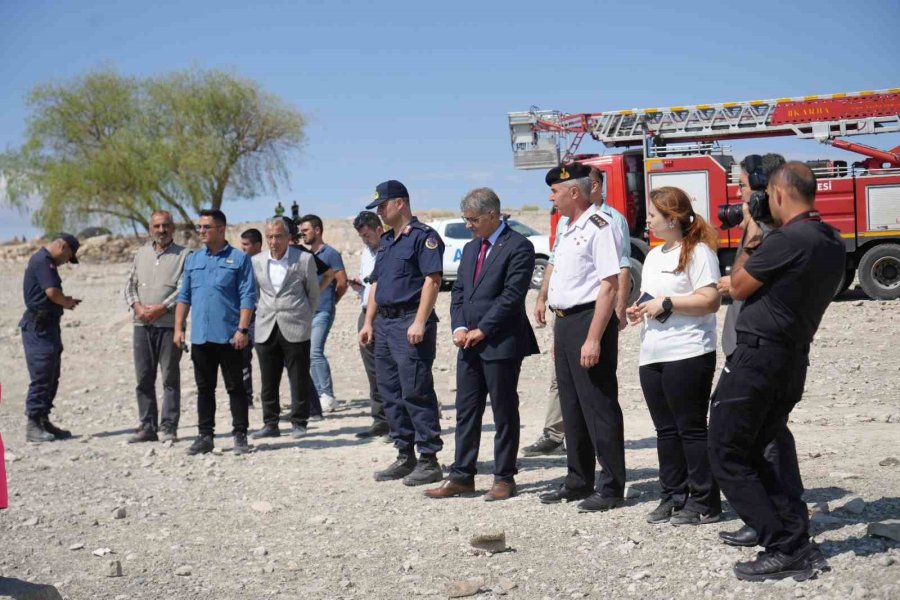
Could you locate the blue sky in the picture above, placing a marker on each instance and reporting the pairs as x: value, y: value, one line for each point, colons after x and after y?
x: 419, y: 91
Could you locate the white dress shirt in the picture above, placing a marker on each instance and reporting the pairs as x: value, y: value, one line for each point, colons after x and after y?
x: 585, y: 255
x: 366, y: 264
x: 277, y: 270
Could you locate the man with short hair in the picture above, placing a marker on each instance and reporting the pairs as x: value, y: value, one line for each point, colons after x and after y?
x: 151, y: 293
x: 311, y: 228
x: 41, y: 335
x: 786, y: 279
x: 218, y: 286
x: 406, y: 281
x: 582, y: 295
x: 288, y: 295
x: 251, y: 245
x: 491, y: 329
x: 370, y: 230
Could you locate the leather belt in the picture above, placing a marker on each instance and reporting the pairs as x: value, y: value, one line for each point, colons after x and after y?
x: 755, y: 341
x: 397, y: 310
x: 574, y: 310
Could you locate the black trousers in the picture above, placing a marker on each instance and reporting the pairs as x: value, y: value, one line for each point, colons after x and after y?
x: 475, y: 380
x: 757, y: 390
x: 677, y: 395
x: 275, y: 354
x: 367, y: 354
x: 208, y: 358
x: 589, y: 398
x: 247, y: 367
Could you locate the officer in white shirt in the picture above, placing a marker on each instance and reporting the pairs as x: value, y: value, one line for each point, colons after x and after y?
x: 582, y: 295
x: 369, y: 228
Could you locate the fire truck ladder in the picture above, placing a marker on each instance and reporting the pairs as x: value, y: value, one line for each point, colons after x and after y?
x: 536, y: 133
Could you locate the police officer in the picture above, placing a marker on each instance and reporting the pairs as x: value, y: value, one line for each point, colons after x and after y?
x: 41, y: 337
x: 787, y: 279
x: 582, y: 295
x: 406, y: 280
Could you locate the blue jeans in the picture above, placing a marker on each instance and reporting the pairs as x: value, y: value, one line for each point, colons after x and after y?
x: 318, y: 362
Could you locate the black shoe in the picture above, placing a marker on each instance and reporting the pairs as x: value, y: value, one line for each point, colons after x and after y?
x: 202, y: 445
x: 298, y: 431
x: 402, y: 467
x: 564, y: 493
x: 317, y: 417
x: 240, y: 443
x: 663, y: 512
x: 543, y: 446
x: 168, y: 433
x: 375, y: 431
x: 775, y: 565
x: 143, y: 434
x: 56, y: 432
x: 35, y: 432
x: 269, y: 430
x: 687, y: 516
x: 427, y: 470
x: 744, y: 537
x: 597, y: 503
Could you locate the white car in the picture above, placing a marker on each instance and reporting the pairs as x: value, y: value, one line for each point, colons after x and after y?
x: 455, y: 236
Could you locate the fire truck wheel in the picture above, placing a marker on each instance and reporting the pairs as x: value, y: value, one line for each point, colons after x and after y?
x: 879, y: 272
x: 537, y: 276
x: 846, y: 282
x: 637, y: 267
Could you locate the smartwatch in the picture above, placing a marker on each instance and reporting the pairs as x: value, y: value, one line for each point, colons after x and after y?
x: 243, y: 330
x: 667, y: 304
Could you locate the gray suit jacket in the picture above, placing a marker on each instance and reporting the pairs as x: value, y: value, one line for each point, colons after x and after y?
x: 293, y: 306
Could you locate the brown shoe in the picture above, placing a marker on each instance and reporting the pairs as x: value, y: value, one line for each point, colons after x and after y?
x: 501, y: 490
x: 450, y: 489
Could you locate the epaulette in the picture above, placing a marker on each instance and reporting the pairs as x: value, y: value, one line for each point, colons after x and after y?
x: 420, y: 225
x: 599, y: 221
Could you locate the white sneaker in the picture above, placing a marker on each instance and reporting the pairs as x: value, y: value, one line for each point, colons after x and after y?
x: 329, y: 403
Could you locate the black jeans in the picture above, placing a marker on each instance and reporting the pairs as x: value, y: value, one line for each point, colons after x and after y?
x: 757, y: 390
x: 677, y: 394
x: 207, y: 360
x: 367, y: 354
x: 589, y: 398
x: 276, y: 354
x: 154, y: 351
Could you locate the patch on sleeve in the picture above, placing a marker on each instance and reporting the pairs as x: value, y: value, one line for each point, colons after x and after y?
x: 431, y: 243
x: 599, y: 221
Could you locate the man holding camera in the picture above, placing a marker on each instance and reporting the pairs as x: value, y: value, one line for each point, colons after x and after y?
x: 787, y: 278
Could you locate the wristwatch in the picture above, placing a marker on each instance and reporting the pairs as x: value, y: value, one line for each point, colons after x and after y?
x: 667, y: 304
x: 243, y: 330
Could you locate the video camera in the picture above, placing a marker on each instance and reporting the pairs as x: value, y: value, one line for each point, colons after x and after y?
x: 731, y: 215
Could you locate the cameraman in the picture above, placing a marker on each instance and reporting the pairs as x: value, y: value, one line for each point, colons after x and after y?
x: 787, y: 278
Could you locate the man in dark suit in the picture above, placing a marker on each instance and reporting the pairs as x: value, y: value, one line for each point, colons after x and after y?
x: 492, y: 332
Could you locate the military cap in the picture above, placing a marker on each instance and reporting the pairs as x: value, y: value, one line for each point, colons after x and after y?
x: 388, y: 190
x: 72, y: 242
x: 567, y: 172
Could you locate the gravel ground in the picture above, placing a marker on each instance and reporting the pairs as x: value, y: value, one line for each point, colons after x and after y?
x: 305, y: 519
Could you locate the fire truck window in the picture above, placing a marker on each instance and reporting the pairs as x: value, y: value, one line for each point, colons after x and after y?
x: 458, y: 231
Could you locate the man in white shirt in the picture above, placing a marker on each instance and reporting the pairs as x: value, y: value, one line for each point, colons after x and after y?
x: 370, y: 230
x: 582, y: 294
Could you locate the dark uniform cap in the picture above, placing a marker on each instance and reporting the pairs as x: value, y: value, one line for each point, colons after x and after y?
x: 388, y: 190
x: 72, y: 242
x: 567, y: 172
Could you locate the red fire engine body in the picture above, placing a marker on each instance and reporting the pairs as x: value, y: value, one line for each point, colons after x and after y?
x: 679, y: 146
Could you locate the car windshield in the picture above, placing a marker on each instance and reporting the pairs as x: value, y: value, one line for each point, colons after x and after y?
x: 458, y: 231
x: 521, y: 228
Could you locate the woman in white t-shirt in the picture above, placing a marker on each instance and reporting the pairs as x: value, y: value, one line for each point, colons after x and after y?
x: 678, y: 354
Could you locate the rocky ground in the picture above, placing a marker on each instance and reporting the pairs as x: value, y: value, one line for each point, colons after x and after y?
x: 304, y: 519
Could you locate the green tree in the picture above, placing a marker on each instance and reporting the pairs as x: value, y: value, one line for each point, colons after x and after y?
x: 116, y: 148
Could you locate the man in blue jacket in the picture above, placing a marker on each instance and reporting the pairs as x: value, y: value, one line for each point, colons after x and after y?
x: 492, y: 332
x: 219, y: 287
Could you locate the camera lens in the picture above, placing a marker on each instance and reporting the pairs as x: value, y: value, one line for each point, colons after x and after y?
x: 731, y: 215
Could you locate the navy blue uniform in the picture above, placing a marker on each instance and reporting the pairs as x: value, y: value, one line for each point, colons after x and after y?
x: 403, y: 370
x: 40, y: 333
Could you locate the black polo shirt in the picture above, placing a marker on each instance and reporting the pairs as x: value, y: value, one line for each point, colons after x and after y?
x: 800, y: 265
x: 40, y: 275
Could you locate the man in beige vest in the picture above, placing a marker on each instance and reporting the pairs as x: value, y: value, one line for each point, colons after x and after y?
x: 151, y: 292
x: 288, y: 294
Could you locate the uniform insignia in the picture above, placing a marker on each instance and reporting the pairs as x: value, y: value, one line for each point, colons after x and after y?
x: 563, y: 174
x: 431, y: 243
x: 407, y: 229
x: 599, y: 221
x: 229, y: 261
x: 376, y: 196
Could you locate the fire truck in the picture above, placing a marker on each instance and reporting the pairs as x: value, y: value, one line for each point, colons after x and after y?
x: 682, y: 146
